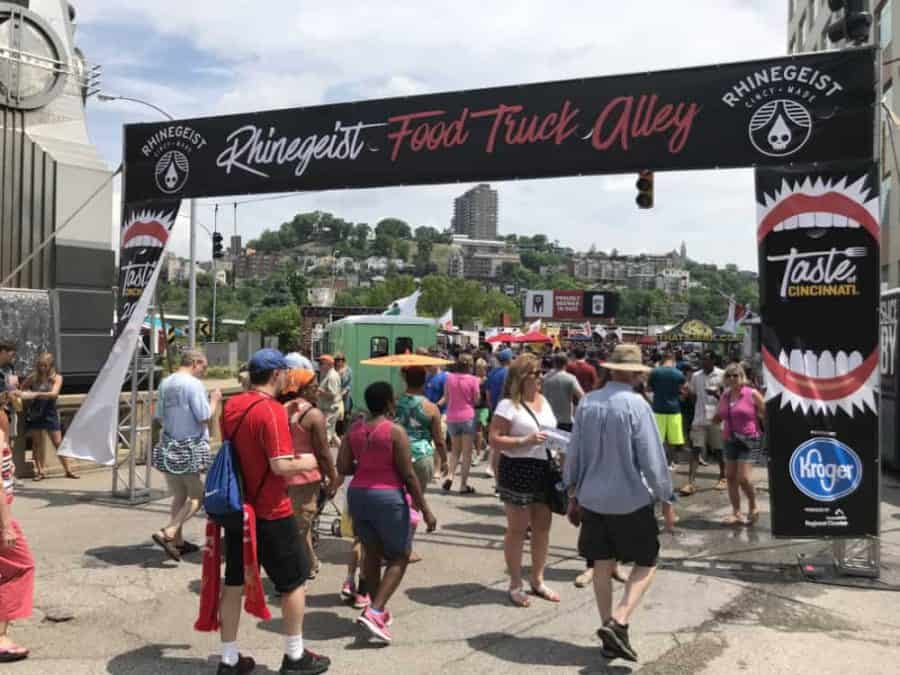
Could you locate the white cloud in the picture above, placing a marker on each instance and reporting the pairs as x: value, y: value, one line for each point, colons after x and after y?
x: 293, y: 54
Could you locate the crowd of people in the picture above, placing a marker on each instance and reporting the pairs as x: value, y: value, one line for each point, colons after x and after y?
x: 607, y: 426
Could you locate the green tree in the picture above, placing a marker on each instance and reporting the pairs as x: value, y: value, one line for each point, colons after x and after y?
x: 278, y: 293
x: 268, y: 241
x: 426, y: 233
x: 383, y: 245
x: 283, y: 322
x: 393, y: 228
x: 401, y: 249
x: 297, y: 286
x: 422, y: 259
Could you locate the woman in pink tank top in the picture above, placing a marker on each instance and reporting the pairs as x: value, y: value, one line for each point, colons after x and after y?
x: 740, y: 408
x: 461, y: 394
x: 377, y: 454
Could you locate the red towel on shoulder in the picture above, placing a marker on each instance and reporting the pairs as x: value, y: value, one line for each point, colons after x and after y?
x: 211, y: 583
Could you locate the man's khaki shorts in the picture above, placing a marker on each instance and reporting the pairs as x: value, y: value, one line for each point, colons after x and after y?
x: 707, y: 437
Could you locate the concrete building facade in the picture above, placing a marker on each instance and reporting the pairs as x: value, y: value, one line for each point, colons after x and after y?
x: 480, y: 258
x: 475, y: 213
x: 808, y: 21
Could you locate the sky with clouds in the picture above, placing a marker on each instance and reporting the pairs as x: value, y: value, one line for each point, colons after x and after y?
x: 207, y: 57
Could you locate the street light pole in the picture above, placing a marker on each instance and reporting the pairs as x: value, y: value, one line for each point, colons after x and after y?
x: 192, y: 269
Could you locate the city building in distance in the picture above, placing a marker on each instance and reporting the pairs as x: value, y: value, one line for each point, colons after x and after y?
x: 475, y: 213
x: 480, y: 258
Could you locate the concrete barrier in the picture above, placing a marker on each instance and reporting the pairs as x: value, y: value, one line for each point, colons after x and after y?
x: 222, y: 354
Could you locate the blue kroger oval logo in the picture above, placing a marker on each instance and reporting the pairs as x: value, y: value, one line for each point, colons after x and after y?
x: 825, y: 469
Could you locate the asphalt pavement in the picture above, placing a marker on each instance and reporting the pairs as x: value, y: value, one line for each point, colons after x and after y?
x: 726, y: 600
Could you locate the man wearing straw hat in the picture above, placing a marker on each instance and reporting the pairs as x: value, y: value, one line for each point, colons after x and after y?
x: 616, y: 470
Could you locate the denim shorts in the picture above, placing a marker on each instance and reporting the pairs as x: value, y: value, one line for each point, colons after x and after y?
x: 735, y: 451
x: 381, y: 518
x: 461, y: 428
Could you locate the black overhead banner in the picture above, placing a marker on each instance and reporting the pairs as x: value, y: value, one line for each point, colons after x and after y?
x: 800, y: 109
x: 819, y: 285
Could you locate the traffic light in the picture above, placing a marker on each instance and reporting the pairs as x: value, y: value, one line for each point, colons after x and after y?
x: 854, y: 25
x: 218, y: 252
x: 644, y: 187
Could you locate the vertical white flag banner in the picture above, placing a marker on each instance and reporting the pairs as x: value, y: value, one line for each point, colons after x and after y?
x: 404, y: 306
x: 93, y: 434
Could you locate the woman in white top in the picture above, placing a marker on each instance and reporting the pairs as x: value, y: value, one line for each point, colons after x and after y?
x: 522, y: 474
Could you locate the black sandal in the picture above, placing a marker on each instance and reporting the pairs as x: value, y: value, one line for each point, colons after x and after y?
x: 167, y: 545
x: 468, y: 490
x: 447, y: 485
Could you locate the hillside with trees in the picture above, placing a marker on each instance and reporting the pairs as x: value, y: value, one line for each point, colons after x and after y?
x: 273, y: 305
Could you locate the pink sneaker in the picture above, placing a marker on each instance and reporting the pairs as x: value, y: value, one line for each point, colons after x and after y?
x: 348, y: 590
x: 376, y: 625
x: 361, y: 601
x: 388, y: 617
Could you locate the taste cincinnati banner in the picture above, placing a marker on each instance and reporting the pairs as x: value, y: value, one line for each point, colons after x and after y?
x: 798, y: 109
x: 818, y: 235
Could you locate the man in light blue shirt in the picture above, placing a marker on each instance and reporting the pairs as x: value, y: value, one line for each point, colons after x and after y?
x: 184, y: 411
x: 616, y: 470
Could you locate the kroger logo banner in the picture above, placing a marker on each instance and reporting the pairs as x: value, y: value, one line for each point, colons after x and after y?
x: 825, y: 469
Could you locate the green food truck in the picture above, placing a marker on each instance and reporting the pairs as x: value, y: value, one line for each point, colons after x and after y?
x: 367, y: 337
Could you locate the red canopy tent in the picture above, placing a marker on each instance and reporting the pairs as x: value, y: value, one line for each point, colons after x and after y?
x: 532, y: 337
x: 646, y: 340
x: 501, y: 337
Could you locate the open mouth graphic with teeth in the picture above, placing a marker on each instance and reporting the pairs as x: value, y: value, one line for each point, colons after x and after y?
x: 821, y: 382
x: 819, y: 205
x: 819, y: 378
x: 147, y: 230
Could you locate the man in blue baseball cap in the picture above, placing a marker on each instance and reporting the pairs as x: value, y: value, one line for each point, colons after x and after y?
x: 257, y: 425
x: 493, y: 387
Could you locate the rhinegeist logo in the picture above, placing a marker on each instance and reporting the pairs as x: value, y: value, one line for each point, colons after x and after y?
x: 819, y: 274
x: 780, y: 97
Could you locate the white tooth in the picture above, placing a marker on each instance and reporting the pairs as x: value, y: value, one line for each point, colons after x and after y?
x: 783, y: 360
x: 812, y: 364
x: 791, y: 223
x: 839, y: 221
x: 852, y: 224
x: 856, y: 360
x: 826, y: 365
x: 778, y: 228
x: 823, y: 219
x: 797, y: 363
x: 841, y: 364
x: 807, y: 220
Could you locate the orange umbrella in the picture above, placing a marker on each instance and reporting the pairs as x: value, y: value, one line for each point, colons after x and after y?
x: 405, y: 361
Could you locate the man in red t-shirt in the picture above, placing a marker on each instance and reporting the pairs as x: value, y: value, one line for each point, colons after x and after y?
x: 583, y: 371
x: 258, y: 428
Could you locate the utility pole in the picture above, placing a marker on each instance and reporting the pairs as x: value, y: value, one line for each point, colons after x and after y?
x: 215, y: 282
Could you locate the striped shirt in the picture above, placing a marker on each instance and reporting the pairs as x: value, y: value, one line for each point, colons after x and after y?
x: 7, y: 473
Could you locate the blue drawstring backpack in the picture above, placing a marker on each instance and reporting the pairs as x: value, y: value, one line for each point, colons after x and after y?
x: 223, y: 495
